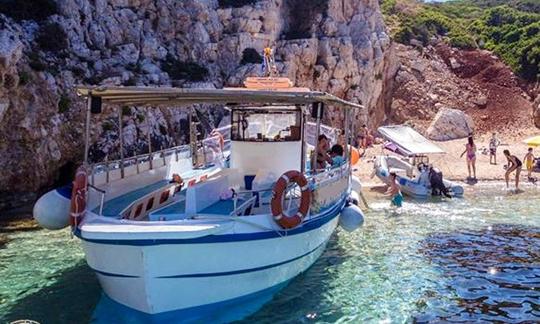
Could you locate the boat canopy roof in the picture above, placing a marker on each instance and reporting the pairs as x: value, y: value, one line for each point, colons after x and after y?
x: 408, y: 141
x: 166, y: 96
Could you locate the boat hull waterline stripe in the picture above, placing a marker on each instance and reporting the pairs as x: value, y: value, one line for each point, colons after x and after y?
x: 307, y: 226
x: 218, y: 274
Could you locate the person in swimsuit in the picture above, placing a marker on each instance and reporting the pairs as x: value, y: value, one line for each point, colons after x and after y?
x: 529, y: 162
x: 514, y: 164
x: 470, y: 149
x: 394, y: 191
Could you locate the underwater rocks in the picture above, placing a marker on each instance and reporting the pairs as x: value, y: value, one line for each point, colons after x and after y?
x: 490, y: 275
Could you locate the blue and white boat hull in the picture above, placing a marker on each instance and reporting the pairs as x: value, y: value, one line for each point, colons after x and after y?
x: 187, y: 276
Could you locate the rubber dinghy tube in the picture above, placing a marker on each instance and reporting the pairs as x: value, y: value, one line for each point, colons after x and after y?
x: 276, y: 204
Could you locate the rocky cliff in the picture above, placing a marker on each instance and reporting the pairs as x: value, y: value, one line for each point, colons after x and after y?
x: 47, y: 47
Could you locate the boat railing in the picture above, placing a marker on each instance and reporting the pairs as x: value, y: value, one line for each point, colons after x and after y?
x: 102, y: 192
x: 136, y: 164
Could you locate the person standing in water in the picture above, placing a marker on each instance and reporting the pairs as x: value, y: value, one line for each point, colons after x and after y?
x: 394, y: 191
x: 529, y: 162
x: 470, y: 149
x: 493, y: 143
x: 514, y: 164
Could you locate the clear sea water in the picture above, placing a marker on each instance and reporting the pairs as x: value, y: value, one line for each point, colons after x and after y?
x: 464, y: 260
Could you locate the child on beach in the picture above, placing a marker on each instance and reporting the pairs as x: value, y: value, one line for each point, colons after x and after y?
x: 470, y: 149
x: 514, y: 164
x: 394, y: 191
x: 493, y: 144
x: 529, y: 162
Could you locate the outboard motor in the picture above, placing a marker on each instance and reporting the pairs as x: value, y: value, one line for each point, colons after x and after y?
x: 437, y: 184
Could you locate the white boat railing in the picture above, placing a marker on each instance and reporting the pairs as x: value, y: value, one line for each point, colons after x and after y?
x: 179, y: 152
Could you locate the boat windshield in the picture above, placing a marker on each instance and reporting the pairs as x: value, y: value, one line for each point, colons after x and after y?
x: 269, y: 125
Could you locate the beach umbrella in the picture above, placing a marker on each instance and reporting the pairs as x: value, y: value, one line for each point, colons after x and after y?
x: 533, y: 141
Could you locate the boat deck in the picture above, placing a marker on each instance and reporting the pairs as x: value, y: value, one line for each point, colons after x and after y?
x: 113, y: 207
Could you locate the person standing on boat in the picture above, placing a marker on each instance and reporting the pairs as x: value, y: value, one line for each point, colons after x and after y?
x: 394, y: 191
x: 514, y: 164
x: 470, y: 149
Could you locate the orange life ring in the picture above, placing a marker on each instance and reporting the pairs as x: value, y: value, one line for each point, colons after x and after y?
x: 78, y: 197
x: 283, y: 220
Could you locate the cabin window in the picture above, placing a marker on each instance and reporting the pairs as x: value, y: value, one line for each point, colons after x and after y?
x: 150, y: 204
x: 138, y: 211
x: 164, y: 197
x: 272, y: 124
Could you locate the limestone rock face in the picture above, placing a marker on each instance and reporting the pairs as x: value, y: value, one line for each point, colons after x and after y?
x: 450, y: 124
x: 146, y: 42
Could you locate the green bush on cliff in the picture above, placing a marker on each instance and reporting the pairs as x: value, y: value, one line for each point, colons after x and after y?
x: 180, y: 70
x: 64, y: 104
x: 37, y: 10
x: 302, y: 16
x: 235, y: 3
x: 52, y: 38
x: 512, y: 31
x: 250, y: 55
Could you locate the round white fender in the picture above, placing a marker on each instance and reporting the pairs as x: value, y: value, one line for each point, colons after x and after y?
x: 355, y: 197
x: 351, y: 218
x: 51, y: 210
x: 356, y: 185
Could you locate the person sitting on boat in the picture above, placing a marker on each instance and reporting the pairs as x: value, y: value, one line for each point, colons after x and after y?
x: 394, y: 191
x: 423, y: 178
x: 176, y: 178
x: 336, y: 153
x: 322, y: 156
x: 514, y: 165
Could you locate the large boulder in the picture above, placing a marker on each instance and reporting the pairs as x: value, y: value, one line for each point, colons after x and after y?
x: 450, y: 124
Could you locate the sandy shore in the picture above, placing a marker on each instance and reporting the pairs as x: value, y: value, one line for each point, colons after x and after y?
x: 454, y: 167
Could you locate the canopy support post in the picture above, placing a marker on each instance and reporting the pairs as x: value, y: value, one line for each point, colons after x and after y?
x: 121, y: 138
x: 87, y: 130
x: 317, y: 133
x: 347, y: 124
x: 149, y: 139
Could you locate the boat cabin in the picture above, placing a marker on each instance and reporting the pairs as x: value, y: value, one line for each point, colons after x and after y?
x: 266, y: 139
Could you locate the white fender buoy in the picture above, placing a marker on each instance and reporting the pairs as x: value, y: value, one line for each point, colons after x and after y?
x: 351, y: 218
x: 356, y: 185
x: 354, y: 198
x: 51, y: 210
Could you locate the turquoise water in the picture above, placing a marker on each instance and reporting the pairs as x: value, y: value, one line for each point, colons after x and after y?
x: 472, y: 259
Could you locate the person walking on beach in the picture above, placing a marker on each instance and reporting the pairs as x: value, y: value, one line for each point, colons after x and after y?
x: 493, y: 144
x: 514, y: 164
x: 470, y: 149
x: 394, y: 191
x: 529, y: 162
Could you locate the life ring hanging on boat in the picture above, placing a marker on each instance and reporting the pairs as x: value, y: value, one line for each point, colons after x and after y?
x: 276, y: 204
x: 78, y: 197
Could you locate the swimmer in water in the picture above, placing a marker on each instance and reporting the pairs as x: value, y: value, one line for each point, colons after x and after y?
x: 394, y: 191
